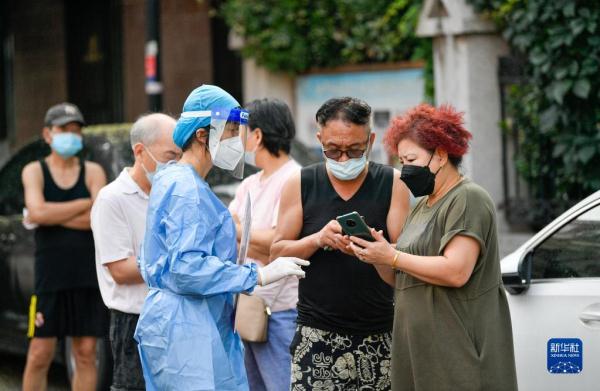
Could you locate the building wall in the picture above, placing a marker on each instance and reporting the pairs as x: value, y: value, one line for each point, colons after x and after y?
x: 39, y: 68
x: 466, y: 76
x: 260, y: 83
x: 186, y: 56
x: 187, y: 50
x: 134, y: 19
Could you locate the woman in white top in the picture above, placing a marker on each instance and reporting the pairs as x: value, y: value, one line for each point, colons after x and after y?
x: 268, y: 146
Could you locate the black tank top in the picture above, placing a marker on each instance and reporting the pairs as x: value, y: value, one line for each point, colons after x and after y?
x: 64, y: 257
x: 341, y: 293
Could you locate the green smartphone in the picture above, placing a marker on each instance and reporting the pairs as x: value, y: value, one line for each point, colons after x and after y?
x: 354, y: 225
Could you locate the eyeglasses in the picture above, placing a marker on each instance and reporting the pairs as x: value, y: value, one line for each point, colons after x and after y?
x: 335, y: 154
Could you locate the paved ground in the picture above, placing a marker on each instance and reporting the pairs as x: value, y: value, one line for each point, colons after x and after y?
x: 11, y: 370
x: 510, y: 240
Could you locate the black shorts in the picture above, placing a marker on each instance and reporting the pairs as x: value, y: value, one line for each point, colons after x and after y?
x: 76, y: 312
x: 127, y: 368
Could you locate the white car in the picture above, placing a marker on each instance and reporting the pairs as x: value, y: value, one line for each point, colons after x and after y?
x: 553, y: 281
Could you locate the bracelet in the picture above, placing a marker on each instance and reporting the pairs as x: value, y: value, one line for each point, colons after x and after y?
x: 395, y: 260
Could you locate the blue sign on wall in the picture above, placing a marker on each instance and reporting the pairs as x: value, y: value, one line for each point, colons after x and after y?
x: 389, y: 92
x: 565, y: 355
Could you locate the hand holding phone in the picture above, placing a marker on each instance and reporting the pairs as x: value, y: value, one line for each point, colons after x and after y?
x: 354, y: 225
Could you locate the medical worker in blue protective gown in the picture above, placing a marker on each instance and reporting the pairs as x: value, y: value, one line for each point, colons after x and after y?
x: 185, y: 331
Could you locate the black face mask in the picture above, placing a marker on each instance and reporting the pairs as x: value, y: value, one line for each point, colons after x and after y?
x: 419, y: 180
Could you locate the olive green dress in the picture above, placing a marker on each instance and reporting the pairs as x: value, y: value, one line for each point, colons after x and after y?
x: 453, y: 338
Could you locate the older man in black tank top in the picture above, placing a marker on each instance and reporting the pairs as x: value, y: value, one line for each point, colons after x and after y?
x: 58, y: 195
x: 345, y: 311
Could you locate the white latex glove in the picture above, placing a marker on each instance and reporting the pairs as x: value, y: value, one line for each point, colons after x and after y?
x: 280, y: 268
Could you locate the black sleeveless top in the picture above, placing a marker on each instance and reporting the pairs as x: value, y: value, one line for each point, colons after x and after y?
x: 64, y: 257
x: 340, y: 293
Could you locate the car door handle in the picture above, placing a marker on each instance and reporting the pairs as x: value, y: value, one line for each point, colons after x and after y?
x: 590, y: 316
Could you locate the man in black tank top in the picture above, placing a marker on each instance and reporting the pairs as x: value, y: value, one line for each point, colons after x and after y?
x: 345, y: 310
x: 59, y: 191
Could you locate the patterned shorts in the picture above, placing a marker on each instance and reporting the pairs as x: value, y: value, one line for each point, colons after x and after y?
x: 327, y: 361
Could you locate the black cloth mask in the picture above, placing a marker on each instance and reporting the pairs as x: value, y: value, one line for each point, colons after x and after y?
x: 419, y: 179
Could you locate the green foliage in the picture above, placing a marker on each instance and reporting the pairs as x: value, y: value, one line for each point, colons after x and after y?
x: 557, y: 110
x: 295, y: 35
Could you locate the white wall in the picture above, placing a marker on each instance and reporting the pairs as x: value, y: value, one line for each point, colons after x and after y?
x: 260, y: 83
x: 466, y: 76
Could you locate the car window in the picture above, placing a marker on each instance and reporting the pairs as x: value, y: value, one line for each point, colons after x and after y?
x: 11, y: 187
x: 112, y: 155
x: 572, y: 251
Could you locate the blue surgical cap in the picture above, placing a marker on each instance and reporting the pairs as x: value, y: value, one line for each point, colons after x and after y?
x: 203, y: 98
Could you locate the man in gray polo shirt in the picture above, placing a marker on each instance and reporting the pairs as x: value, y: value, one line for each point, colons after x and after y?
x: 118, y: 221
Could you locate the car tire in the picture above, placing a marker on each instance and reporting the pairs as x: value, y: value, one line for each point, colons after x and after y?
x: 103, y: 362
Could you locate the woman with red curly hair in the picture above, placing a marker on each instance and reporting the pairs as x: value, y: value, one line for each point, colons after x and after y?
x: 452, y: 328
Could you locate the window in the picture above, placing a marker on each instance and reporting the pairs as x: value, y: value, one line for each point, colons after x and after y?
x: 572, y: 251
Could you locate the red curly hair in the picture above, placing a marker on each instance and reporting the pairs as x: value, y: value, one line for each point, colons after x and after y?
x: 430, y: 128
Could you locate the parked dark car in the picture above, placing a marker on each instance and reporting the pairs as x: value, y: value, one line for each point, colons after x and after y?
x: 109, y: 146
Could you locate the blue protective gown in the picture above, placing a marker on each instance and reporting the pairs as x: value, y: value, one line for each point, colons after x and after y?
x: 185, y: 331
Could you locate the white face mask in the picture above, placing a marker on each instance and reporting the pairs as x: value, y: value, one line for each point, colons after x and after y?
x: 348, y: 170
x: 351, y: 168
x: 159, y: 166
x: 229, y: 153
x: 250, y: 157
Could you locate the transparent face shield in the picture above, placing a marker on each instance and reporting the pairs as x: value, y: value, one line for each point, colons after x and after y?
x: 227, y: 139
